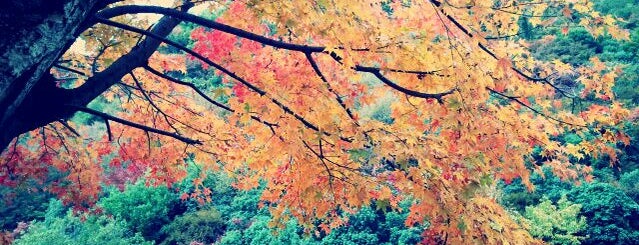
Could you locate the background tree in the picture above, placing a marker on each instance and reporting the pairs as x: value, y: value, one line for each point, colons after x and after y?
x: 469, y: 105
x: 556, y: 224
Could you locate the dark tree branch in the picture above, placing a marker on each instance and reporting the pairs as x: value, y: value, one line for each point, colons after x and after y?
x: 252, y: 87
x: 190, y: 85
x: 418, y: 73
x: 69, y: 69
x: 463, y: 29
x: 516, y: 99
x: 135, y: 125
x: 108, y: 128
x: 94, y: 64
x: 137, y: 57
x: 319, y: 73
x: 203, y: 95
x: 164, y: 114
x: 67, y: 126
x: 321, y: 158
x: 55, y: 129
x: 376, y: 71
x: 134, y: 9
x: 152, y: 103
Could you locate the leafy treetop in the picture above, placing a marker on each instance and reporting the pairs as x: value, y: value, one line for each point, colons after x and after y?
x: 469, y: 105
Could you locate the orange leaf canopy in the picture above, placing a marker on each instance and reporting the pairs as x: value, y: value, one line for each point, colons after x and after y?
x: 334, y: 104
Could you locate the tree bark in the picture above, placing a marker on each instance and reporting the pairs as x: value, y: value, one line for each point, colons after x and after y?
x: 29, y: 97
x: 35, y: 34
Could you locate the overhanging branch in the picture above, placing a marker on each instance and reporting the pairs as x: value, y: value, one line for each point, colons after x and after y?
x: 252, y: 87
x: 133, y: 9
x: 138, y: 56
x: 516, y: 99
x: 203, y: 95
x: 319, y: 73
x: 134, y: 125
x: 483, y: 47
x: 376, y: 71
x: 136, y: 9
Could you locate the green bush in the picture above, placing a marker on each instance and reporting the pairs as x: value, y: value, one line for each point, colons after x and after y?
x: 376, y: 226
x: 204, y: 226
x: 610, y: 214
x: 26, y: 201
x: 64, y: 228
x: 145, y: 208
x: 259, y: 232
x: 556, y: 224
x: 20, y: 204
x: 575, y: 48
x: 516, y: 196
x: 629, y: 183
x: 362, y: 228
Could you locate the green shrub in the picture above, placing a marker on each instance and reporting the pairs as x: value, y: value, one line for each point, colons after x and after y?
x: 145, y: 208
x: 64, y: 228
x: 611, y: 215
x: 629, y: 183
x: 204, y: 226
x: 260, y: 233
x: 20, y: 204
x: 556, y: 224
x: 376, y: 226
x: 516, y: 195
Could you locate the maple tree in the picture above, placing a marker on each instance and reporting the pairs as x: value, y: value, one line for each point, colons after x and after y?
x: 468, y: 105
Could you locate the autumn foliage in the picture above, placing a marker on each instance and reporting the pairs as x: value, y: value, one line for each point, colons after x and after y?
x: 468, y: 104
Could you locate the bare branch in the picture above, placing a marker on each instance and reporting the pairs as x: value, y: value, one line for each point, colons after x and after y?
x: 146, y: 96
x: 203, y: 95
x: 463, y: 29
x: 70, y: 70
x: 321, y: 158
x: 103, y: 80
x: 108, y: 128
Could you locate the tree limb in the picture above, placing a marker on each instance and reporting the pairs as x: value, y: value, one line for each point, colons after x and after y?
x: 516, y: 99
x: 319, y: 73
x: 463, y: 29
x: 203, y: 95
x: 135, y: 125
x: 231, y: 74
x: 136, y: 9
x: 376, y: 71
x: 137, y: 57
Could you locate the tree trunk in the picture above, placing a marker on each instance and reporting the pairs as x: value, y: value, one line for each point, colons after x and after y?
x: 29, y: 97
x: 34, y: 35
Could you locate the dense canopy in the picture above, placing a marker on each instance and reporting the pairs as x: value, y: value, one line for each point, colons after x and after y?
x: 328, y: 105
